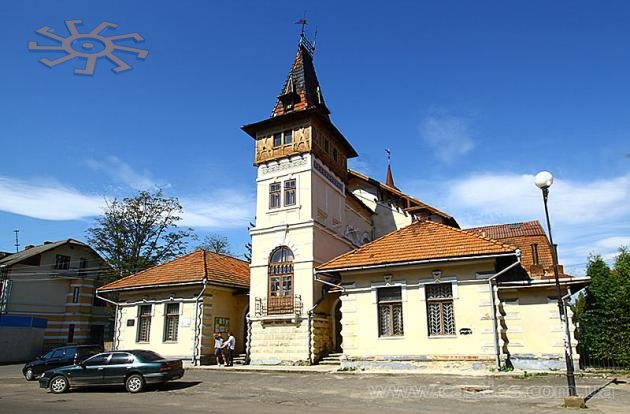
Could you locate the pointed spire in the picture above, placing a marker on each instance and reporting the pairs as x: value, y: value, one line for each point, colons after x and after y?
x: 301, y: 90
x: 389, y: 180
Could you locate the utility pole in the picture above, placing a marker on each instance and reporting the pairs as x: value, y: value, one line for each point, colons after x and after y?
x: 17, y: 240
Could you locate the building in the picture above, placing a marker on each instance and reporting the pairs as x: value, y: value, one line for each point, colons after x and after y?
x: 177, y: 307
x: 338, y: 258
x: 55, y: 281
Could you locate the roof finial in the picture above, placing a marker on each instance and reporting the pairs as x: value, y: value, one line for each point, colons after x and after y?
x: 302, y: 22
x: 389, y: 180
x: 310, y: 46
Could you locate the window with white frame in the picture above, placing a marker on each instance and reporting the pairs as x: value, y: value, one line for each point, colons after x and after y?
x: 289, y: 192
x: 75, y: 295
x: 288, y: 137
x: 440, y: 313
x: 144, y: 323
x: 274, y: 195
x: 171, y: 322
x: 390, y: 313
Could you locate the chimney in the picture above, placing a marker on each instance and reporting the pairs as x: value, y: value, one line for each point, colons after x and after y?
x: 28, y: 246
x: 48, y: 242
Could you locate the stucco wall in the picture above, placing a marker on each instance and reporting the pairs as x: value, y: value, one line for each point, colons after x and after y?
x: 471, y: 307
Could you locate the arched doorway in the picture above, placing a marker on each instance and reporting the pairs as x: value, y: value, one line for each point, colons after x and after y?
x: 336, y: 317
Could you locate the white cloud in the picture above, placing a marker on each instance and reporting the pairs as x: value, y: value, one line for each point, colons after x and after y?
x: 47, y: 202
x: 219, y: 209
x: 448, y: 136
x: 125, y: 174
x: 587, y: 217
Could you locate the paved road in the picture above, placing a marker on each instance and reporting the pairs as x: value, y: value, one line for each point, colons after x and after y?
x: 255, y: 392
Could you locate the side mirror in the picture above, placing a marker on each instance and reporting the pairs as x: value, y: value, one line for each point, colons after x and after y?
x: 82, y: 364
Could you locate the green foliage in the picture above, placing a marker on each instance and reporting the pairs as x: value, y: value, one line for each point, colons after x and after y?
x: 138, y: 232
x: 604, y: 314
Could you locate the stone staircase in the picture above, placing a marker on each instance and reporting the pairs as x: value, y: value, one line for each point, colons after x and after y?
x: 331, y: 359
x: 240, y: 359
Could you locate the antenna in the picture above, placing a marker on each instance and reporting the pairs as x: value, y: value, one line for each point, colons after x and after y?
x: 17, y: 240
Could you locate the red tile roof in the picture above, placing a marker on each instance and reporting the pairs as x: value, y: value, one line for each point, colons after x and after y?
x: 502, y: 231
x: 193, y: 267
x: 422, y: 240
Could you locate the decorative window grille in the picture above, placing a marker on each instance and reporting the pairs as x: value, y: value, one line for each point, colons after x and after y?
x: 144, y: 323
x: 289, y: 192
x: 390, y: 314
x: 62, y: 262
x: 280, y: 297
x: 288, y: 137
x: 171, y: 321
x: 274, y: 195
x: 440, y: 313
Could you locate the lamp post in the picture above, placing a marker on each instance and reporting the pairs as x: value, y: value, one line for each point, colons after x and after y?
x: 543, y: 180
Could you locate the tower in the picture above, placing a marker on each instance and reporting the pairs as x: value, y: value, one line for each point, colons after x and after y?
x: 302, y: 218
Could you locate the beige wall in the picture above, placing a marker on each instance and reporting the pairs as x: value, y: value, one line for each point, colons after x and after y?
x: 216, y: 302
x: 387, y: 217
x: 44, y: 292
x: 471, y: 306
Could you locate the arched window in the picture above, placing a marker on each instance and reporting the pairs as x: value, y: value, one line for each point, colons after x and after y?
x: 280, y: 296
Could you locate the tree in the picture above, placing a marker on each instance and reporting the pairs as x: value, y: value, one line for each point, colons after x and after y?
x: 604, y: 314
x: 138, y: 232
x: 216, y: 243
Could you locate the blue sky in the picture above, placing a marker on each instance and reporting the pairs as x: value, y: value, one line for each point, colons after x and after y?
x: 473, y: 98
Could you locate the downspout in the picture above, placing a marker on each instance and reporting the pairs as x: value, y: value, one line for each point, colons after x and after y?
x: 198, y: 323
x: 310, y: 328
x: 248, y: 341
x: 495, y: 329
x: 116, y: 324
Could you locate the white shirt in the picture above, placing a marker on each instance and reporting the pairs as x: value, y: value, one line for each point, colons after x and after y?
x: 218, y: 342
x: 230, y: 342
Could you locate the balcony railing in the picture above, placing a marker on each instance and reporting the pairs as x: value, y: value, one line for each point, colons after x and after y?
x: 279, y: 305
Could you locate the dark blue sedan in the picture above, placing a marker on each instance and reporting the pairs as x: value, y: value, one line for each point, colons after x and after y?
x: 133, y: 369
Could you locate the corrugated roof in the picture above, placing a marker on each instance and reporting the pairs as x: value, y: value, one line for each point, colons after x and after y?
x: 193, y: 267
x: 422, y: 240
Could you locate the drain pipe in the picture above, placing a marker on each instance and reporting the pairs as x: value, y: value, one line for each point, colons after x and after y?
x: 248, y: 340
x: 495, y: 329
x: 116, y: 337
x: 198, y: 323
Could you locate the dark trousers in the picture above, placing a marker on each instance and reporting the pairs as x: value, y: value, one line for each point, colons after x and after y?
x: 229, y: 357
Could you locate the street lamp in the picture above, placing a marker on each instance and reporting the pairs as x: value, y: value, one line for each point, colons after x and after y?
x: 543, y: 180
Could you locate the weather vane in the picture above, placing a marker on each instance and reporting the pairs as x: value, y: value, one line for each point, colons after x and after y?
x: 389, y: 154
x: 303, y: 22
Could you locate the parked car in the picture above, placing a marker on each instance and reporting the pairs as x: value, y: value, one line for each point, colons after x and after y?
x: 133, y: 369
x: 59, y: 357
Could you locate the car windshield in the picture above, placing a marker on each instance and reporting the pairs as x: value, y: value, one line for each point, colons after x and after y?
x: 148, y: 356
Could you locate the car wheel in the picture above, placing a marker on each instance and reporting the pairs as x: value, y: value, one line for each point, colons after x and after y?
x: 29, y: 375
x: 134, y: 383
x: 59, y: 384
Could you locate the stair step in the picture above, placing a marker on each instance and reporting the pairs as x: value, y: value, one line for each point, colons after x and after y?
x: 324, y: 362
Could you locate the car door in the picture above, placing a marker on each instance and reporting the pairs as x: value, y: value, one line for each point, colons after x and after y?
x: 117, y: 368
x: 91, y: 371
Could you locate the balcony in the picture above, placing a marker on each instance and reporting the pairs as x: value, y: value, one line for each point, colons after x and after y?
x: 278, y: 306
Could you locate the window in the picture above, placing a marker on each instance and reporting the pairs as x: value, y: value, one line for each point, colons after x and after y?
x: 144, y: 323
x: 274, y: 195
x: 75, y: 295
x: 82, y: 266
x: 335, y: 156
x: 121, y: 358
x: 440, y: 314
x: 288, y: 137
x: 326, y: 145
x: 70, y: 333
x: 280, y: 295
x: 289, y: 192
x: 62, y: 262
x: 390, y: 314
x: 171, y: 322
x: 100, y: 359
x: 535, y: 254
x: 277, y: 139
